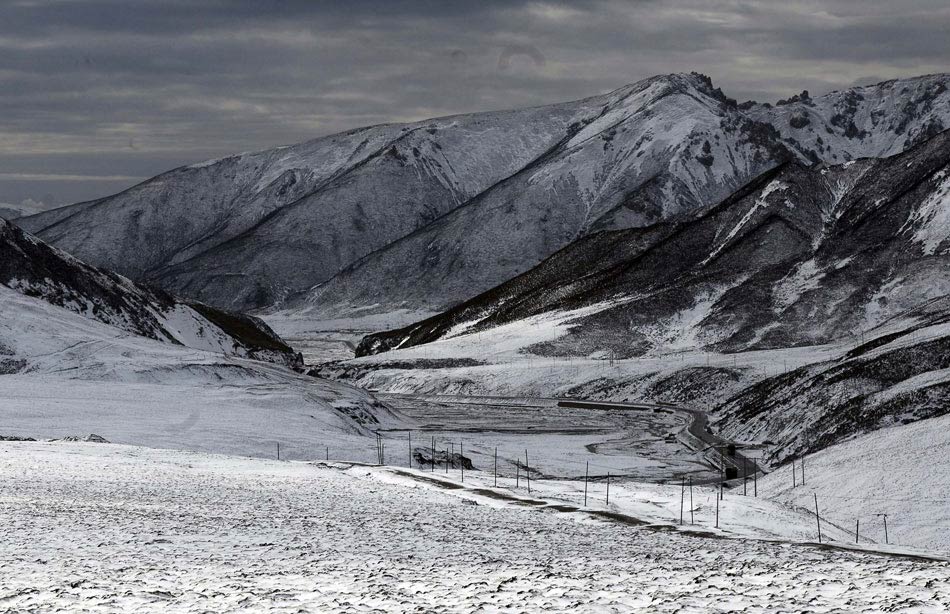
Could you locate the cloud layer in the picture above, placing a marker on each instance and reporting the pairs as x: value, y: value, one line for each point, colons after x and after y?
x: 99, y: 93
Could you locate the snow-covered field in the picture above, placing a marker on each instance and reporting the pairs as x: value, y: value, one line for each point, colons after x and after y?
x: 99, y: 527
x: 901, y: 471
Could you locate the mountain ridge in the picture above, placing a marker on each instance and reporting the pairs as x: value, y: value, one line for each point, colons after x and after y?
x: 304, y: 227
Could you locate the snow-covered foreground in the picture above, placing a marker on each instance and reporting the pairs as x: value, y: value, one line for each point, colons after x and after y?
x: 114, y: 528
x: 902, y: 471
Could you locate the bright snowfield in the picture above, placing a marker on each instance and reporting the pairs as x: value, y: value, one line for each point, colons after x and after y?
x: 100, y: 527
x: 82, y: 376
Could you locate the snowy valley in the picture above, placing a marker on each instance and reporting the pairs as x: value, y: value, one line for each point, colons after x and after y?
x: 653, y: 350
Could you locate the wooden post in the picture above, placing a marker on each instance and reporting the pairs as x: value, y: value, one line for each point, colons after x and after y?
x: 717, y: 507
x: 691, y: 519
x: 885, y: 529
x: 857, y: 530
x: 517, y: 474
x: 496, y: 466
x: 803, y: 471
x: 278, y: 450
x: 328, y: 452
x: 682, y: 497
x: 447, y: 457
x: 586, y: 470
x: 608, y: 488
x: 462, y: 460
x: 794, y: 484
x: 433, y: 453
x: 410, y: 449
x: 817, y: 518
x: 527, y: 470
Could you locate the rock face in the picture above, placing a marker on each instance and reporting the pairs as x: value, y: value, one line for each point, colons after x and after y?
x: 428, y: 214
x: 32, y: 268
x: 799, y: 256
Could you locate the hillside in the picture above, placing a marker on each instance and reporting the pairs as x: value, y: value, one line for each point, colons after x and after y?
x: 32, y: 268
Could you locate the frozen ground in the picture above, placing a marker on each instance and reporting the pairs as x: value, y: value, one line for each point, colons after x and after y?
x: 100, y: 527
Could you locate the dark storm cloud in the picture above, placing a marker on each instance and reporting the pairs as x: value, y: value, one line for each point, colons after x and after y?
x: 98, y: 93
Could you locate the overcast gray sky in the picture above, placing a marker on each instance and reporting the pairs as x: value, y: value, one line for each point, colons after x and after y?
x: 96, y: 95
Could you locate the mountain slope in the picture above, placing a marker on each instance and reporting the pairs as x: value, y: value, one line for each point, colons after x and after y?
x: 427, y: 214
x: 246, y: 230
x: 899, y: 374
x: 664, y: 147
x: 32, y: 268
x: 799, y: 256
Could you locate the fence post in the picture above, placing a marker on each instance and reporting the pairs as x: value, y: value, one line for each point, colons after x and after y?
x: 794, y: 484
x: 803, y: 471
x: 278, y: 450
x: 586, y: 470
x: 462, y: 460
x: 682, y: 497
x: 527, y: 470
x: 517, y: 474
x: 885, y: 530
x: 433, y: 454
x: 717, y: 506
x: 608, y: 488
x: 691, y: 508
x: 410, y: 449
x: 755, y: 478
x: 496, y: 466
x: 817, y: 518
x: 328, y: 452
x: 447, y: 460
x: 857, y: 530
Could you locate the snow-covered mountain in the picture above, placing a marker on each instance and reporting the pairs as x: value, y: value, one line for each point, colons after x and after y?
x: 428, y: 214
x: 32, y: 268
x: 799, y: 256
